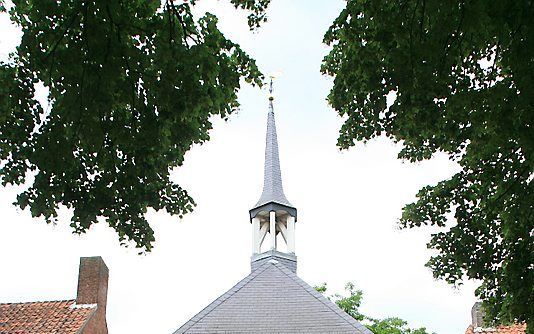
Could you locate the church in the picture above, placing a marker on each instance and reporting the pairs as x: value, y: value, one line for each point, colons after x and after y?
x: 272, y: 298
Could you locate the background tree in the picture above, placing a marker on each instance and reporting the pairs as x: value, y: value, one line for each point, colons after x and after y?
x: 351, y: 303
x: 131, y: 87
x: 463, y: 79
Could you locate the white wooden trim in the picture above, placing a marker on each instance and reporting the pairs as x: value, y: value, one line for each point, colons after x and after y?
x: 256, y: 236
x: 282, y: 228
x: 272, y: 229
x: 291, y: 235
x: 263, y: 232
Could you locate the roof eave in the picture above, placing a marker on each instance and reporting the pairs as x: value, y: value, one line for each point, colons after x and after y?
x: 273, y: 206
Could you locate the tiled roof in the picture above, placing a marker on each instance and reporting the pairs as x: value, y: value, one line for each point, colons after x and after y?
x: 511, y: 329
x: 272, y: 299
x: 59, y: 317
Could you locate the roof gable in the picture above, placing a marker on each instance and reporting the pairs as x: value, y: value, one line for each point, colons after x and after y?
x: 63, y: 317
x: 272, y: 299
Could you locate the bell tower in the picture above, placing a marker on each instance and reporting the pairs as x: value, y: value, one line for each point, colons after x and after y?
x: 273, y: 214
x: 272, y: 298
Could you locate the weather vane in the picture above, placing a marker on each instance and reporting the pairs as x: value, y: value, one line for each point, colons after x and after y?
x: 271, y: 95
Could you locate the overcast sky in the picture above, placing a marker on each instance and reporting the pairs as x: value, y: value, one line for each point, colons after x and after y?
x: 348, y: 204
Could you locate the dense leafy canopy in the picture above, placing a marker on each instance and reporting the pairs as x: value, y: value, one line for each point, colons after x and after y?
x: 131, y: 87
x: 463, y: 79
x: 351, y: 304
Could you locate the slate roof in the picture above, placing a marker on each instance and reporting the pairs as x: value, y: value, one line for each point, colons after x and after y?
x: 510, y: 329
x: 60, y: 317
x: 273, y: 191
x: 272, y: 299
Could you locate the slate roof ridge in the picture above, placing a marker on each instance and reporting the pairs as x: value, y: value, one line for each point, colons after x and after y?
x: 221, y: 299
x: 353, y: 322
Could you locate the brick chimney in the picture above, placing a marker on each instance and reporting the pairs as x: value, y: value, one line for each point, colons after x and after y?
x: 477, y: 315
x: 93, y: 289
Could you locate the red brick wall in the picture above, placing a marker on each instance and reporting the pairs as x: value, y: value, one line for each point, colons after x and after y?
x: 97, y: 324
x: 93, y: 289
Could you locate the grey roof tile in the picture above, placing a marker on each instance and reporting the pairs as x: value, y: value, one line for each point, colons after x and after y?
x: 272, y: 299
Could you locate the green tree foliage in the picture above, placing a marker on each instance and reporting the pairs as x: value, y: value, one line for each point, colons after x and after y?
x: 462, y: 74
x: 351, y: 303
x: 131, y: 87
x: 394, y: 326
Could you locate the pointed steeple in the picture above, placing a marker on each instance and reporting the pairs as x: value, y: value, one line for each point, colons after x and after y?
x: 273, y: 214
x: 273, y: 190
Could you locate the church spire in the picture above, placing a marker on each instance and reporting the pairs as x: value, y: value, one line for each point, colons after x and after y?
x: 273, y: 213
x: 273, y: 191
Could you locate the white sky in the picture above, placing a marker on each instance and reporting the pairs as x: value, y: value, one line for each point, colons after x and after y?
x: 348, y: 204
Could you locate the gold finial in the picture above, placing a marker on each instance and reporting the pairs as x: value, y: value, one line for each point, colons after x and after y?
x: 271, y: 95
